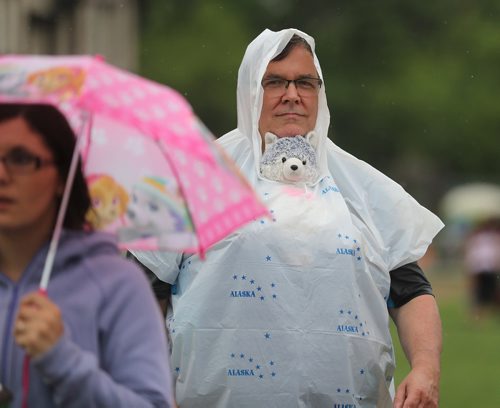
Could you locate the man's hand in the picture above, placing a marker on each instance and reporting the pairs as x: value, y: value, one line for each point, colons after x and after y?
x: 420, y: 389
x: 38, y: 325
x: 419, y: 329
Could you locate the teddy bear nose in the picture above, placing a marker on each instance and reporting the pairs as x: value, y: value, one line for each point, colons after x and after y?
x: 294, y: 167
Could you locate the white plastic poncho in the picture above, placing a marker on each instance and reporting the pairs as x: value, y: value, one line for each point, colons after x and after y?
x: 292, y: 311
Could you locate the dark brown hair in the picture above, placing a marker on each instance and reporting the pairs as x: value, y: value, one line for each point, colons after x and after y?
x: 58, y: 136
x: 295, y: 41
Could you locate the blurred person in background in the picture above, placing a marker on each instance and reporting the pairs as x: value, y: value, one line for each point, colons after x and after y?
x: 96, y: 338
x: 482, y: 263
x: 293, y: 311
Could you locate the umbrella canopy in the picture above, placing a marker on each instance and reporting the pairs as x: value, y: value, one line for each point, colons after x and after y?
x: 155, y: 176
x: 472, y: 202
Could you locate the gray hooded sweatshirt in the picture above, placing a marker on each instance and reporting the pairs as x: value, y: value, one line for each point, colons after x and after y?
x: 113, y: 352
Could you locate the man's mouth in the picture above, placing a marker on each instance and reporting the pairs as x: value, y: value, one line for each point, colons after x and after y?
x: 284, y: 114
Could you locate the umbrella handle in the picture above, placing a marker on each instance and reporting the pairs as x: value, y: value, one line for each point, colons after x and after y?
x: 26, y: 370
x: 26, y: 381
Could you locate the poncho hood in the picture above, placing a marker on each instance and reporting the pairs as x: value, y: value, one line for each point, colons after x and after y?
x: 259, y: 53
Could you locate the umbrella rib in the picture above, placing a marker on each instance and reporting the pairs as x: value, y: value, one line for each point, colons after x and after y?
x: 54, y: 242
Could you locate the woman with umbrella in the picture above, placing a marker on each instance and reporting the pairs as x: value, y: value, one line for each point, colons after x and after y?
x: 96, y: 337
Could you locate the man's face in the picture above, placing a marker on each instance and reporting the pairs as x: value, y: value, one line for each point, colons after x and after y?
x: 293, y: 112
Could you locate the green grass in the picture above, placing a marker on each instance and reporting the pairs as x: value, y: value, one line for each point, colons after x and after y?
x: 470, y: 365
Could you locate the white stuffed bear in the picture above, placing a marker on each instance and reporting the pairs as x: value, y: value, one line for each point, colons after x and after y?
x: 290, y: 159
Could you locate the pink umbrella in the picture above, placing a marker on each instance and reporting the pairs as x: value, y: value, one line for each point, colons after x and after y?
x: 155, y: 176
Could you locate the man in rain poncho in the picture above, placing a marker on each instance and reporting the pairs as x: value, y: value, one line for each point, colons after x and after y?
x: 292, y: 310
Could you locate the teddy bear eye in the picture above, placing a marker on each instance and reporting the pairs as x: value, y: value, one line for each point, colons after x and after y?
x: 304, y: 162
x: 283, y: 159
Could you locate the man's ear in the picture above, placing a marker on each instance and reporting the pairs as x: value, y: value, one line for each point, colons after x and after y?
x: 313, y: 138
x: 269, y: 138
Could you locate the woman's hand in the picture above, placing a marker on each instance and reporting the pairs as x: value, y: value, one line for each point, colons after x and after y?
x: 38, y: 325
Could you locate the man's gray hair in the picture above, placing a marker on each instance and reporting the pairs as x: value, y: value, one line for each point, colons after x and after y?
x: 295, y: 41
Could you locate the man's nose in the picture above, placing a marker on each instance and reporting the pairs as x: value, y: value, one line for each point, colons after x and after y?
x: 291, y: 94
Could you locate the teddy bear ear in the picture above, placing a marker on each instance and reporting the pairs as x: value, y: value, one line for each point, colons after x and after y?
x: 270, y: 138
x: 313, y: 138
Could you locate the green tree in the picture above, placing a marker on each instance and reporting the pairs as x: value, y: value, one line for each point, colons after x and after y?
x: 411, y: 85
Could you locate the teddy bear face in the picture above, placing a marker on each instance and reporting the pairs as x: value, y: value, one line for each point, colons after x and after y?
x: 290, y: 159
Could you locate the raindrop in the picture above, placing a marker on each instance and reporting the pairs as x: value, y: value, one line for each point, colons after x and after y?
x: 362, y: 85
x: 472, y: 76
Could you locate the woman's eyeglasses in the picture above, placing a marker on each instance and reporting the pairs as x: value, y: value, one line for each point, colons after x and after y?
x: 21, y: 161
x: 306, y: 86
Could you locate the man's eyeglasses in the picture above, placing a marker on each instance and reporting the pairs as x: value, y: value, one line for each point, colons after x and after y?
x: 20, y: 161
x: 306, y: 86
